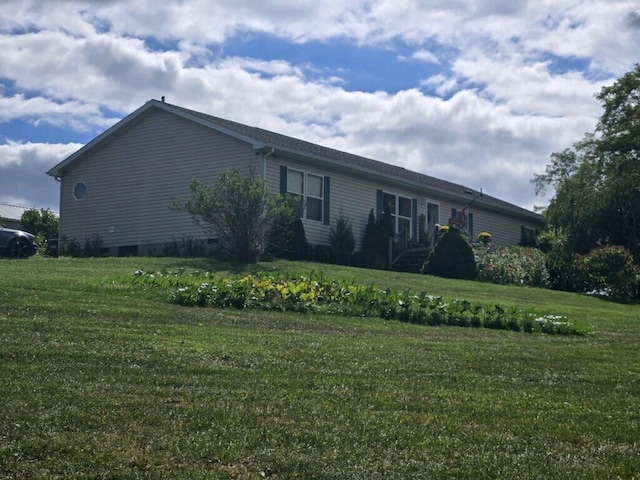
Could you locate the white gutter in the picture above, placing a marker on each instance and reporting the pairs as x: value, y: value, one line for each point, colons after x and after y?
x: 264, y: 162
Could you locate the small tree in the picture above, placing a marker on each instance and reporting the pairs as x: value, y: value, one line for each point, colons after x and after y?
x: 238, y: 209
x: 342, y: 240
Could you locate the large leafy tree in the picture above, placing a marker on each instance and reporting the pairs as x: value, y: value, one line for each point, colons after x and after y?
x: 239, y: 210
x: 40, y: 222
x: 597, y: 182
x: 617, y: 148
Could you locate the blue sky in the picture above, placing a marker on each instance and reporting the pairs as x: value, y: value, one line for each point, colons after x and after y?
x: 479, y: 92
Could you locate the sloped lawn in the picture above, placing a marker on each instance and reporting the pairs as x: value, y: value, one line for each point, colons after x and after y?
x: 105, y: 379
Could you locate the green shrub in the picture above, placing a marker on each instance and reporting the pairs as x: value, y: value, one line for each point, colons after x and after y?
x: 92, y: 246
x: 512, y: 265
x: 287, y: 238
x: 452, y: 257
x: 375, y: 241
x: 606, y: 270
x: 342, y: 240
x: 322, y: 254
x: 186, y: 246
x: 559, y: 263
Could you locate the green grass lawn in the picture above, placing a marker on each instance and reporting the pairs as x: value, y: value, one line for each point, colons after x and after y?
x: 104, y: 381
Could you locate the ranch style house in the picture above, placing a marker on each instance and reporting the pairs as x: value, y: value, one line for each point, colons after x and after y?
x: 120, y: 186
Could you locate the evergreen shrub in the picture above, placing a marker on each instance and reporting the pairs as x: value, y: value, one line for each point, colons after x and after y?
x: 375, y: 241
x: 342, y: 241
x: 452, y: 257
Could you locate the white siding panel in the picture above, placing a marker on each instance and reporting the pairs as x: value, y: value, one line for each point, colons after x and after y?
x: 132, y: 180
x: 504, y: 229
x: 355, y: 197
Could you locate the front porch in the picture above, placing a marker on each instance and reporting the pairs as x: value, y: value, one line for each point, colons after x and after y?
x: 410, y: 260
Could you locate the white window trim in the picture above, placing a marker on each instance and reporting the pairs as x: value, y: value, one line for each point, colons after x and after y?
x: 306, y: 195
x: 75, y: 186
x: 396, y: 216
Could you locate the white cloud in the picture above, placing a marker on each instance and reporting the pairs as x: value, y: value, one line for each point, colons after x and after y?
x: 422, y: 55
x: 529, y: 87
x: 22, y: 173
x: 503, y: 98
x: 29, y: 155
x: 442, y: 84
x: 72, y: 114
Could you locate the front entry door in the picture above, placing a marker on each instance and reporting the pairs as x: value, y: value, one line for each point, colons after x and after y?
x: 433, y: 218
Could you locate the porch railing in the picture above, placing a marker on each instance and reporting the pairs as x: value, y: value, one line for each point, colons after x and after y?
x: 398, y: 245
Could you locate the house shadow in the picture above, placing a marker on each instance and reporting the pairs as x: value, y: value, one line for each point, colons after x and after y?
x: 212, y: 265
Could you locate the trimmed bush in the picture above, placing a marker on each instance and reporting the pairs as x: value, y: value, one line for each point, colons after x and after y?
x: 452, y: 257
x: 606, y: 270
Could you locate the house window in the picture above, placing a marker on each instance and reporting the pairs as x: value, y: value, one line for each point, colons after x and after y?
x: 433, y: 219
x: 314, y: 197
x: 295, y: 189
x: 400, y: 209
x: 308, y: 193
x: 527, y: 236
x: 79, y: 190
x: 463, y: 220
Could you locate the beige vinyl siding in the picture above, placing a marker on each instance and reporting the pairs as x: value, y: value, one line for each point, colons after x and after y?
x: 355, y: 197
x: 504, y: 229
x: 132, y: 179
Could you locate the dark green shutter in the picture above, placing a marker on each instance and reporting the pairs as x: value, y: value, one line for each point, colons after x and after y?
x: 414, y: 219
x: 327, y: 208
x: 379, y: 206
x: 470, y: 223
x: 283, y: 179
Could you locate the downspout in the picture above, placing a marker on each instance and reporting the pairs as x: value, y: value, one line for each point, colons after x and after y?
x: 264, y: 163
x: 58, y: 179
x: 264, y: 175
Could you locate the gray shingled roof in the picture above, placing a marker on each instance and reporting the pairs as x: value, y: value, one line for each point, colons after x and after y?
x: 259, y: 136
x: 278, y: 140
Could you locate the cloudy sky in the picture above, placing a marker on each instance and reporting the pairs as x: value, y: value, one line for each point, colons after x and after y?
x: 478, y: 92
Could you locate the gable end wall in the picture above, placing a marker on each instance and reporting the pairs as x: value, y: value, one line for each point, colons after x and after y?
x: 132, y: 179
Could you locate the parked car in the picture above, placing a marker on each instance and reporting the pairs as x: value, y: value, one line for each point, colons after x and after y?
x: 16, y: 243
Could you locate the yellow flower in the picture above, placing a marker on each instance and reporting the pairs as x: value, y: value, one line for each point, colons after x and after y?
x: 484, y: 237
